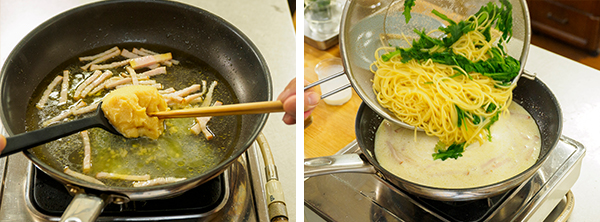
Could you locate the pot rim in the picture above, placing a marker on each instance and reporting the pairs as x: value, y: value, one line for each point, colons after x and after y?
x: 460, y: 194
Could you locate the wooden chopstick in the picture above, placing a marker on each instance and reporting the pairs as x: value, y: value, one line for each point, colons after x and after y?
x: 224, y: 110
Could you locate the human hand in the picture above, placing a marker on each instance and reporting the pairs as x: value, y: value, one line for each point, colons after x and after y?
x: 311, y: 100
x: 2, y: 143
x: 288, y: 98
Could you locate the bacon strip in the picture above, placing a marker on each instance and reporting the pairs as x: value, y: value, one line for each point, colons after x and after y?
x: 110, y: 65
x: 157, y: 181
x: 64, y: 90
x: 204, y: 88
x: 86, y: 109
x: 201, y: 125
x: 208, y: 98
x: 96, y: 82
x: 98, y: 88
x: 92, y: 57
x: 176, y: 98
x: 194, y: 101
x: 156, y: 85
x: 116, y: 176
x: 133, y: 55
x: 148, y: 82
x: 193, y: 98
x: 144, y: 82
x: 167, y: 91
x: 87, y: 151
x: 87, y: 81
x: 46, y: 94
x: 153, y: 66
x: 63, y: 114
x: 112, y: 83
x: 175, y: 62
x: 138, y: 52
x: 172, y: 99
x: 102, y: 59
x: 187, y: 90
x: 196, y: 98
x: 134, y: 79
x: 82, y: 176
x: 127, y: 54
x: 146, y: 61
x: 153, y: 72
x: 146, y: 53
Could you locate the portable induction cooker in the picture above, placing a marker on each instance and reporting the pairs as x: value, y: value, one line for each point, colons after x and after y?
x: 365, y: 197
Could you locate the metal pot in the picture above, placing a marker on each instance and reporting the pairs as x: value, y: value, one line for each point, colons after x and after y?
x: 533, y: 95
x: 105, y: 24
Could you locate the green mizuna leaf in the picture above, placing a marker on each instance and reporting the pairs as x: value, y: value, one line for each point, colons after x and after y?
x: 499, y: 67
x: 408, y: 4
x: 454, y: 151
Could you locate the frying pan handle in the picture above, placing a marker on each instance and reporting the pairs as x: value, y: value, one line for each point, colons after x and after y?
x: 83, y: 208
x: 345, y: 163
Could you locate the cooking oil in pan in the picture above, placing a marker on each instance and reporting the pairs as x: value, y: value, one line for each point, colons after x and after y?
x: 177, y: 153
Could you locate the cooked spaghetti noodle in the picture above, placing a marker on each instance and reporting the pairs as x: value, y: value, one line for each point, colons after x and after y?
x: 440, y: 98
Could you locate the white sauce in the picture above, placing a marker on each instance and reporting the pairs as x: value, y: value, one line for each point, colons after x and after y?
x: 514, y: 148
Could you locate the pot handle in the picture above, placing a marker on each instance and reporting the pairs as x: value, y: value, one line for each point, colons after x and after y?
x: 345, y: 163
x: 83, y: 208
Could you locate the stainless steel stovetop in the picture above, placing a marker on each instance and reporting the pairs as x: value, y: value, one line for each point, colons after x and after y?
x: 365, y: 197
x: 244, y: 198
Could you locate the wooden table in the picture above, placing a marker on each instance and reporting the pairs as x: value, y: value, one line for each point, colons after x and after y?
x: 332, y: 127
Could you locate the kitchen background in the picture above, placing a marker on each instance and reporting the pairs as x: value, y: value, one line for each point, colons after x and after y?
x: 267, y: 23
x: 564, y: 54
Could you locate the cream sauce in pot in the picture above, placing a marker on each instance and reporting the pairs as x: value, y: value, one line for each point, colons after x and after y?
x: 515, y: 146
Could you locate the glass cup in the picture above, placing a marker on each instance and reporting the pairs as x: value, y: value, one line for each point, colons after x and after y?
x: 329, y: 67
x: 323, y: 16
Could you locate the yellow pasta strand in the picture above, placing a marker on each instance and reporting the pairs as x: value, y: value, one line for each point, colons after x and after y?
x: 422, y: 94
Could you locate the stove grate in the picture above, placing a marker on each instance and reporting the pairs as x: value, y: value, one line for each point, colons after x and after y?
x: 50, y: 197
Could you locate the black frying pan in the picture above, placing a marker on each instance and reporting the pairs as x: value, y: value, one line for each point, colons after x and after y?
x: 533, y: 95
x: 105, y: 24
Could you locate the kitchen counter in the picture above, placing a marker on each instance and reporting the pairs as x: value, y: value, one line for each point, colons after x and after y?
x: 575, y: 86
x: 318, y: 138
x: 266, y: 22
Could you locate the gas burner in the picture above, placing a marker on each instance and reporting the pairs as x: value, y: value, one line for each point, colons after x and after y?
x: 235, y: 195
x: 49, y: 197
x: 365, y: 197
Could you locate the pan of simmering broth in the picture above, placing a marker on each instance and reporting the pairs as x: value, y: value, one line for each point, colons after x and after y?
x: 158, y: 149
x: 479, y: 180
x: 190, y: 56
